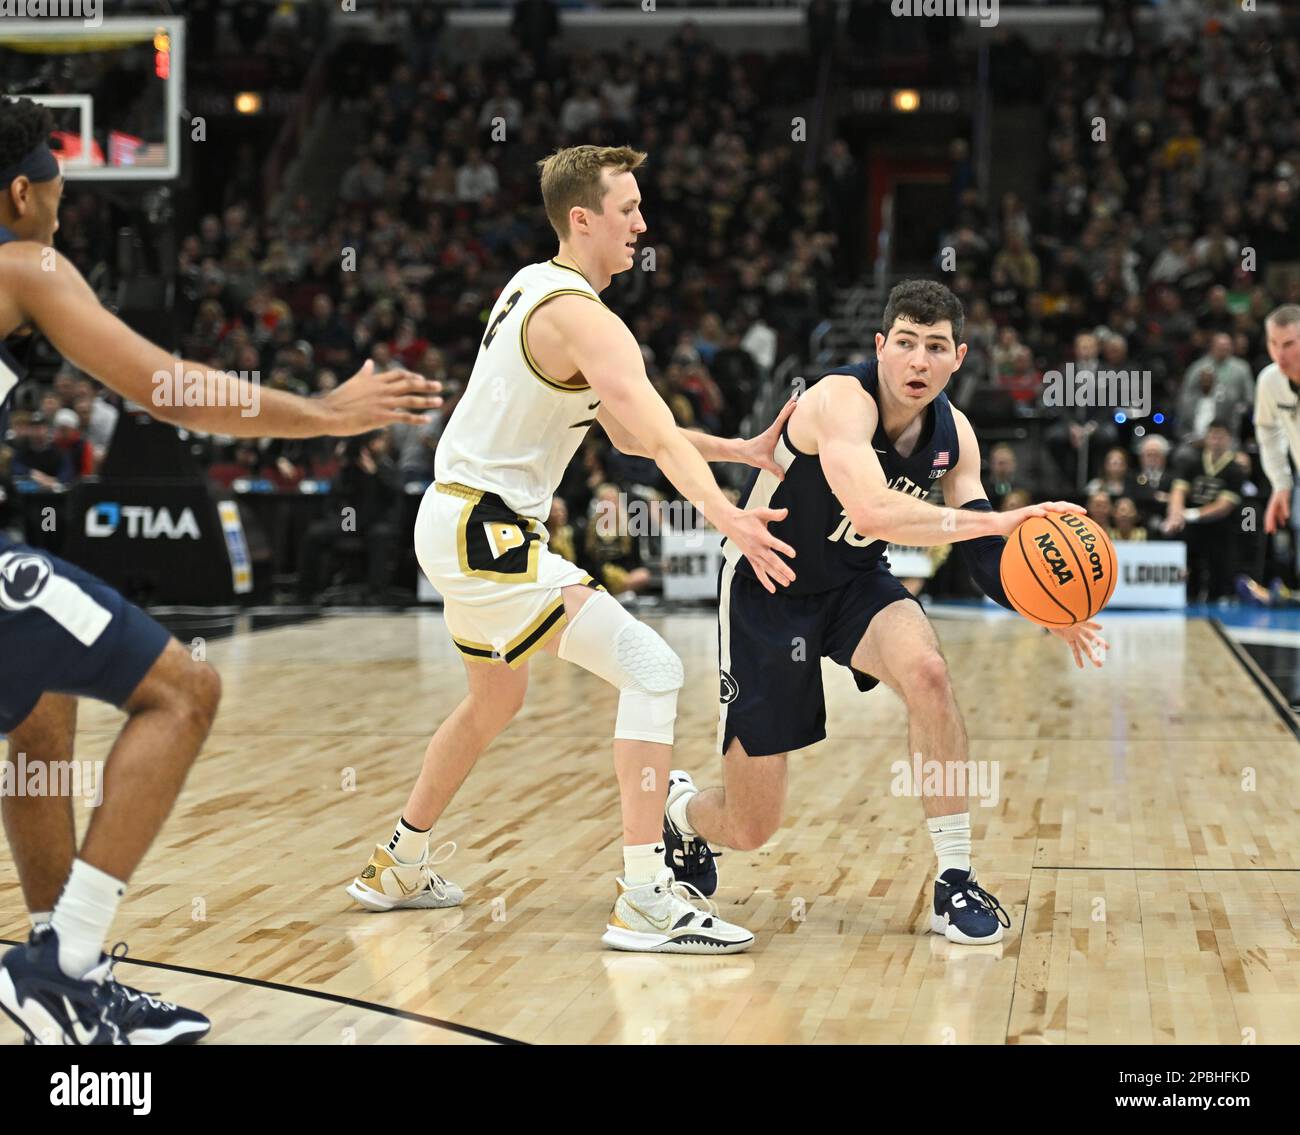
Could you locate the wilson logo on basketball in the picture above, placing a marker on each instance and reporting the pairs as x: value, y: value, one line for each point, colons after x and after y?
x: 1055, y: 561
x: 1089, y: 541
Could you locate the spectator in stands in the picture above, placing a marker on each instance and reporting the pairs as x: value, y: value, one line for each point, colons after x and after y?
x: 1218, y: 385
x: 414, y: 446
x: 1099, y: 508
x: 736, y: 374
x: 580, y: 112
x: 611, y: 550
x: 1116, y: 480
x: 502, y: 105
x: 1017, y: 498
x: 562, y: 541
x: 1204, y: 501
x: 1151, y: 491
x: 362, y: 182
x: 1079, y: 433
x: 1125, y: 522
x: 78, y: 455
x: 363, y: 517
x: 98, y: 415
x: 1024, y: 382
x: 1018, y: 262
x: 1003, y: 475
x: 35, y: 457
x: 477, y: 179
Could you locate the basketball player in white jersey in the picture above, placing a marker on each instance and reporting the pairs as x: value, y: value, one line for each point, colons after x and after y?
x: 554, y: 360
x: 1277, y: 412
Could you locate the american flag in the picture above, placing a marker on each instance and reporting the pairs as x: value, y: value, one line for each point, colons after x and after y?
x: 941, y: 458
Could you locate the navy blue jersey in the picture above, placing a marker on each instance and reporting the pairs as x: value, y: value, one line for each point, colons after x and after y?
x: 10, y: 371
x: 829, y: 552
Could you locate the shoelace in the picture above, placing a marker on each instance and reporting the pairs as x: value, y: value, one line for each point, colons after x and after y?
x: 687, y: 893
x: 126, y: 992
x: 979, y: 893
x: 696, y: 853
x: 437, y: 884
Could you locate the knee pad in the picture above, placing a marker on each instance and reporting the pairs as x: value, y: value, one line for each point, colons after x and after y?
x: 605, y: 640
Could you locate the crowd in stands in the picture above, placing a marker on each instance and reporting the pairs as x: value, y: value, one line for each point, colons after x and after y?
x: 1156, y: 246
x: 1164, y: 229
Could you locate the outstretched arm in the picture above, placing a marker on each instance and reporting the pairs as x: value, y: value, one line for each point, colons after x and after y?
x: 62, y: 305
x: 603, y: 349
x: 756, y: 451
x: 843, y: 421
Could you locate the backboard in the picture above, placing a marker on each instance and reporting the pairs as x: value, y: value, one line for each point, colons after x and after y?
x: 116, y: 90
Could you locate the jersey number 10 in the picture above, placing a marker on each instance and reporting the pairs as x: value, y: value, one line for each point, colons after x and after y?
x: 849, y: 535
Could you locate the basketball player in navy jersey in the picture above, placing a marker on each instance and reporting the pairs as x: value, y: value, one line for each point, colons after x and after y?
x: 65, y: 634
x: 864, y: 444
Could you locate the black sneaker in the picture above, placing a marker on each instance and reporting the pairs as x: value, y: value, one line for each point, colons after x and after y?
x: 964, y: 911
x: 51, y: 1007
x: 691, y: 859
x: 147, y: 1020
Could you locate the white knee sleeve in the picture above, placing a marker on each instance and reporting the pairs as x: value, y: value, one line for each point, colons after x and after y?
x: 604, y: 639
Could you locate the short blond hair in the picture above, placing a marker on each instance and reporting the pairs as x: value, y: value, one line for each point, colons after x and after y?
x: 572, y: 176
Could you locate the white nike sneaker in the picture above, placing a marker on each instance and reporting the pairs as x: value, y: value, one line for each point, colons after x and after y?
x: 386, y: 884
x: 661, y: 918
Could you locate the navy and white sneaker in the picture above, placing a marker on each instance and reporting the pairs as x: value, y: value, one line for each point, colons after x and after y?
x: 146, y: 1020
x: 964, y: 911
x: 51, y: 1007
x: 691, y: 859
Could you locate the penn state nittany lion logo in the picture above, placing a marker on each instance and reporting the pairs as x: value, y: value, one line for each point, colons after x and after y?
x: 23, y: 576
x: 730, y: 688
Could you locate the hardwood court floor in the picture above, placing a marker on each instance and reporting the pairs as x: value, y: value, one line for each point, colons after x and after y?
x: 1154, y: 896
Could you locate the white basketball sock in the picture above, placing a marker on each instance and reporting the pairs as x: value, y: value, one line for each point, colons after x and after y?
x: 408, y: 844
x: 951, y: 838
x: 83, y: 915
x: 642, y: 862
x: 40, y: 917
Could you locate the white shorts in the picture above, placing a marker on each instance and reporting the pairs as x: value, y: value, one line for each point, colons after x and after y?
x: 499, y: 582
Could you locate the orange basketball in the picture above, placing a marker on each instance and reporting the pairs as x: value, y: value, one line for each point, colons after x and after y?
x: 1058, y: 570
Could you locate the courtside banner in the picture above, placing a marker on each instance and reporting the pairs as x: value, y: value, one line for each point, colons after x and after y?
x: 156, y: 541
x: 1152, y: 573
x: 691, y: 561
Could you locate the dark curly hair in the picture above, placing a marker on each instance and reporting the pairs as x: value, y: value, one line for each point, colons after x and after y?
x: 23, y: 124
x: 926, y: 302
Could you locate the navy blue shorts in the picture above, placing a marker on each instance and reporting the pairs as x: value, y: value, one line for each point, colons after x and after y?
x: 770, y: 649
x: 64, y: 631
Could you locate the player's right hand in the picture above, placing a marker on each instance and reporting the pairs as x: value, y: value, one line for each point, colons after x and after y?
x: 747, y: 529
x: 370, y: 401
x: 1278, y: 513
x: 1007, y: 522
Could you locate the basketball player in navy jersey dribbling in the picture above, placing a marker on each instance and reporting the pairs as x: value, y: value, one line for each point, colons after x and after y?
x: 862, y: 446
x: 65, y: 634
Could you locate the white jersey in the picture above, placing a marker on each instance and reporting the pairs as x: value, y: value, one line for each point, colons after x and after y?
x: 515, y: 428
x: 1277, y: 424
